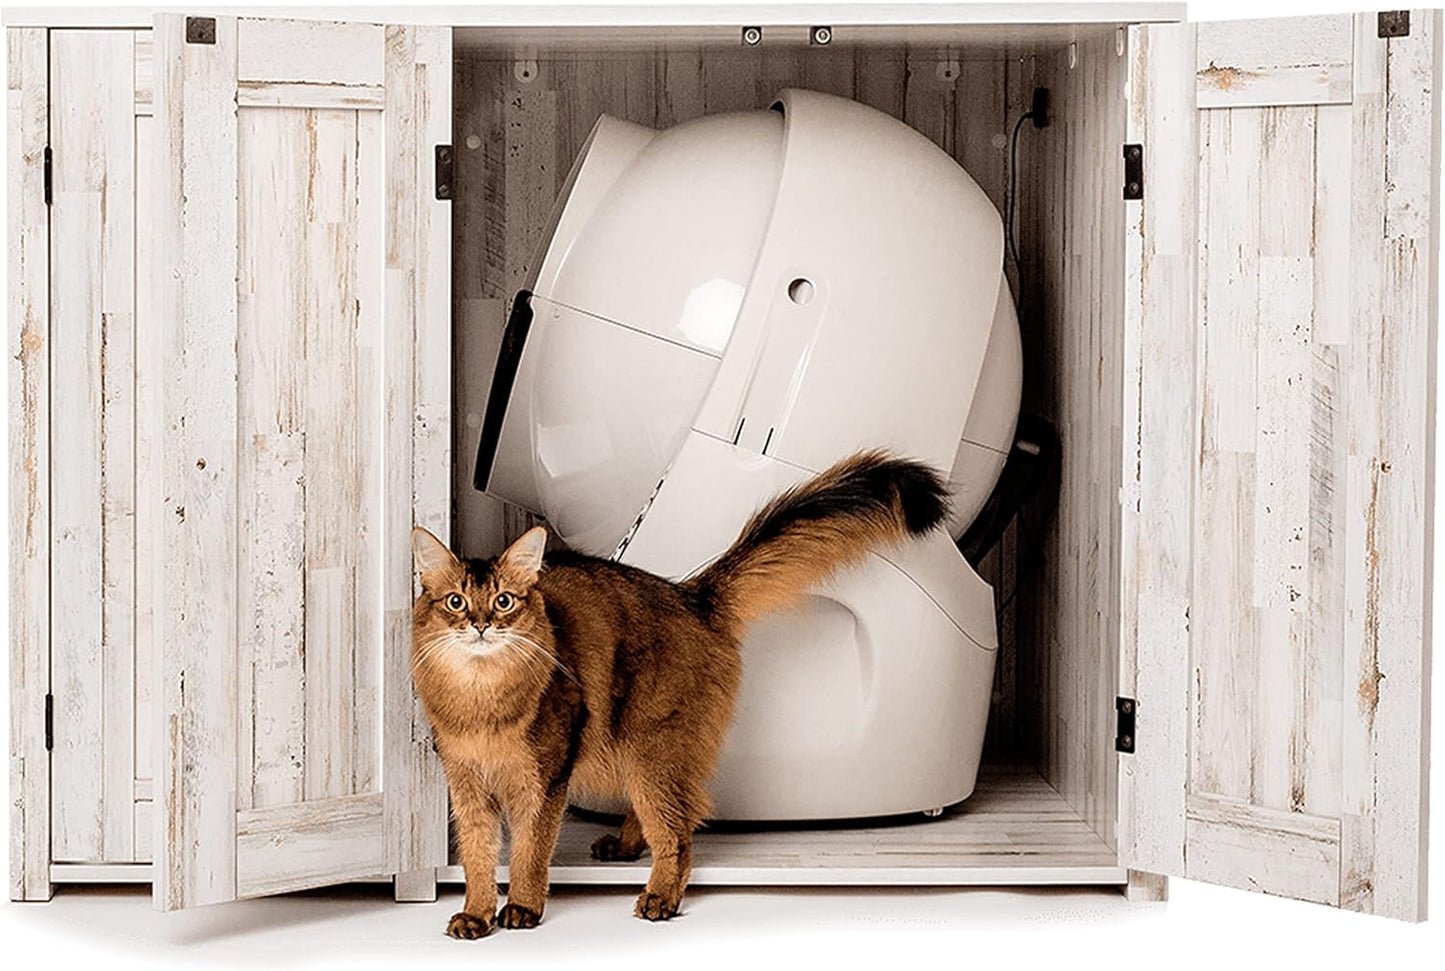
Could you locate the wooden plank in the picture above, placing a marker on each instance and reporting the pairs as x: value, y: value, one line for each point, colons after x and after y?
x: 530, y: 181
x: 680, y: 88
x: 928, y: 104
x: 310, y: 51
x: 1229, y: 201
x: 1391, y: 391
x: 1332, y: 225
x: 1302, y: 60
x: 418, y: 104
x: 1283, y: 451
x: 982, y: 125
x: 145, y: 73
x: 729, y: 79
x: 1015, y: 830
x: 478, y: 235
x: 1222, y: 656
x: 145, y: 823
x: 1146, y: 887
x: 368, y: 406
x: 327, y: 287
x: 432, y: 455
x: 117, y: 455
x: 291, y: 94
x: 150, y: 502
x: 308, y: 844
x: 77, y: 634
x: 1071, y: 233
x: 1404, y: 507
x: 92, y: 434
x: 1272, y: 851
x: 107, y: 873
x: 1162, y: 447
x: 29, y: 339
x: 195, y: 273
x: 275, y: 162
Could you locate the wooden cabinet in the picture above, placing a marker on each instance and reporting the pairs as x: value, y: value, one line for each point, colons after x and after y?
x: 251, y: 335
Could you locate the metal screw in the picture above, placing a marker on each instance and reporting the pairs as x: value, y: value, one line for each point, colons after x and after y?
x: 752, y: 36
x: 820, y: 36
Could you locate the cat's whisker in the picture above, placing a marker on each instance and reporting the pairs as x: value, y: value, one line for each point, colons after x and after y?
x: 431, y: 650
x: 544, y: 655
x: 525, y: 653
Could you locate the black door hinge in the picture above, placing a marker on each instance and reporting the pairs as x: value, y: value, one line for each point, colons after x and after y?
x: 49, y: 722
x: 200, y: 30
x: 444, y: 172
x: 1133, y: 172
x: 49, y: 192
x: 1124, y: 734
x: 1394, y: 23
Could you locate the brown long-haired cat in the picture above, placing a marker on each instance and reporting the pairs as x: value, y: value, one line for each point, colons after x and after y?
x: 585, y: 672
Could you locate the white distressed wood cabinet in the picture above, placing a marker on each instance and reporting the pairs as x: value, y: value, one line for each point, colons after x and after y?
x: 252, y: 316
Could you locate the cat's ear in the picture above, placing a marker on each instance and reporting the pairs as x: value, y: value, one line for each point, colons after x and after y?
x: 523, y: 559
x: 432, y: 558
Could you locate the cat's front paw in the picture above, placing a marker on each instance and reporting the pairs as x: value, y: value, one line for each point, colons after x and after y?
x: 654, y: 906
x: 515, y: 917
x: 468, y: 927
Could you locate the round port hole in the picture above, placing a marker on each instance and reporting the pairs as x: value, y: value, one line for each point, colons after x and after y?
x: 800, y: 291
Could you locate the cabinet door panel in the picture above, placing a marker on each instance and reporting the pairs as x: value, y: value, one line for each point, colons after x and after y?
x: 298, y: 294
x: 1281, y: 330
x: 93, y: 439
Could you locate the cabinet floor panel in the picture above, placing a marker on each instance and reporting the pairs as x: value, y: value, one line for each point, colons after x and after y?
x: 1014, y: 830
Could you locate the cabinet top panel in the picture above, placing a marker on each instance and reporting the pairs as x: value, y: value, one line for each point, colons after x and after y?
x: 623, y: 15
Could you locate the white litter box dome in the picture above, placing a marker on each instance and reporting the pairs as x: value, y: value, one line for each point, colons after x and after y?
x: 726, y: 307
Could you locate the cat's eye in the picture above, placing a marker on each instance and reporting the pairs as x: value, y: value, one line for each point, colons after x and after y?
x: 456, y: 603
x: 504, y: 602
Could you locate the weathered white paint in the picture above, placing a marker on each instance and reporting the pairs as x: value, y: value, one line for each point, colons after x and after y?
x: 277, y: 94
x: 28, y: 340
x: 309, y: 844
x: 92, y: 438
x: 322, y: 333
x: 1157, y: 523
x: 418, y: 106
x: 1255, y: 62
x: 1391, y: 478
x: 309, y: 51
x: 272, y: 289
x: 150, y: 500
x: 1299, y: 295
x: 195, y: 280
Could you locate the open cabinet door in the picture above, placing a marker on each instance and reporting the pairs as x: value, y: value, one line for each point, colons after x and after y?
x: 1277, y: 512
x: 303, y: 295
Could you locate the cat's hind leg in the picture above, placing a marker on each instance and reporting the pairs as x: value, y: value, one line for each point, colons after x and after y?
x: 625, y: 847
x: 668, y: 811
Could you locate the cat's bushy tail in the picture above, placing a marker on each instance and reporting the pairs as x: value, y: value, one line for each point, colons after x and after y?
x: 800, y: 538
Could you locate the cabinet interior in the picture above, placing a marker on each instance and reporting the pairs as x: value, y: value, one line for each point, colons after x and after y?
x: 524, y: 102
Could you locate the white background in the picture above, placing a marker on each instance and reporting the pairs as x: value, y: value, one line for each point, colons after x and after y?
x: 1200, y: 926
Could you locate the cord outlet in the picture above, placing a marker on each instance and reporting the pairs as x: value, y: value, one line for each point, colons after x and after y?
x: 1039, y: 111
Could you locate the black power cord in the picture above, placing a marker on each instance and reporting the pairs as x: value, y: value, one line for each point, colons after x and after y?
x: 1034, y: 458
x: 1038, y: 113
